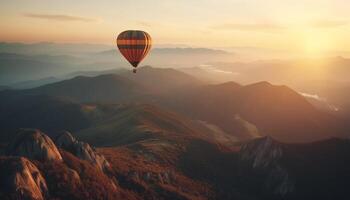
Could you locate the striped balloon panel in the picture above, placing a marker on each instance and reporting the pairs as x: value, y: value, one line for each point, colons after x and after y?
x: 134, y: 45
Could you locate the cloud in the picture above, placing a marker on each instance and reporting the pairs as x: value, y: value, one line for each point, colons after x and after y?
x: 148, y: 24
x: 249, y: 27
x: 320, y: 99
x: 144, y: 24
x: 211, y: 68
x: 59, y: 17
x: 313, y: 96
x: 328, y: 23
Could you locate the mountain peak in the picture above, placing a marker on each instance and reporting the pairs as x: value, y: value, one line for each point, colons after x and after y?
x: 260, y: 84
x: 229, y: 84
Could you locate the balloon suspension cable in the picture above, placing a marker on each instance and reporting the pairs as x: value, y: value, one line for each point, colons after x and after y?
x: 134, y: 70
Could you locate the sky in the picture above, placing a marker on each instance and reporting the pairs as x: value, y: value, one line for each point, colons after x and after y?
x: 309, y: 27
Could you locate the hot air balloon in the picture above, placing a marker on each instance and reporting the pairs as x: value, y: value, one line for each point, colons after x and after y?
x: 134, y: 45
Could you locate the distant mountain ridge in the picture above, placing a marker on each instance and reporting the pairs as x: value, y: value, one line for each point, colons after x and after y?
x: 34, y: 83
x: 175, y: 51
x: 39, y: 61
x: 16, y: 67
x: 50, y: 48
x: 67, y: 48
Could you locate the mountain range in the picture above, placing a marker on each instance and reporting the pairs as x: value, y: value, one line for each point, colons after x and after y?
x: 163, y: 133
x: 241, y: 111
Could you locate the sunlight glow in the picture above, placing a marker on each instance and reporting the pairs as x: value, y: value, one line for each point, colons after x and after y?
x: 316, y: 44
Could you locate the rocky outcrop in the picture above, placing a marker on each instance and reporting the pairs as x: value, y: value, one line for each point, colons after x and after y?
x: 65, y: 140
x: 261, y: 162
x: 33, y: 164
x: 261, y: 153
x: 21, y: 179
x: 81, y: 150
x: 33, y: 144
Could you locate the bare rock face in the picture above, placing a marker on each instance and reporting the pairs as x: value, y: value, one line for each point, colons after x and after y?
x: 65, y: 141
x: 260, y: 161
x: 33, y: 144
x: 261, y: 152
x: 21, y: 179
x: 81, y: 150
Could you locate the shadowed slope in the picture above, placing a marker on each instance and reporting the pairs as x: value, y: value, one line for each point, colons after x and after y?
x: 277, y: 111
x: 103, y: 88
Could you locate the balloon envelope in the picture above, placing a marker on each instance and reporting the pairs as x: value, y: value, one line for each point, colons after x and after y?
x: 134, y: 45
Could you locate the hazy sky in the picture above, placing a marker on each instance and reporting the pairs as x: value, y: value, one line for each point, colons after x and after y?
x: 308, y: 26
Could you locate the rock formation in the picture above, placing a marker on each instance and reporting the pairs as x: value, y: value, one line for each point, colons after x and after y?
x: 260, y: 161
x: 81, y: 150
x: 21, y: 178
x: 33, y: 144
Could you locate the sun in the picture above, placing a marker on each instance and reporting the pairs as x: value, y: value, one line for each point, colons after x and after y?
x: 316, y: 44
x: 316, y: 47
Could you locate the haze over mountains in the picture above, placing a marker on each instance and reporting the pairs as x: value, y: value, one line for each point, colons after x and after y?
x: 30, y: 65
x: 41, y: 60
